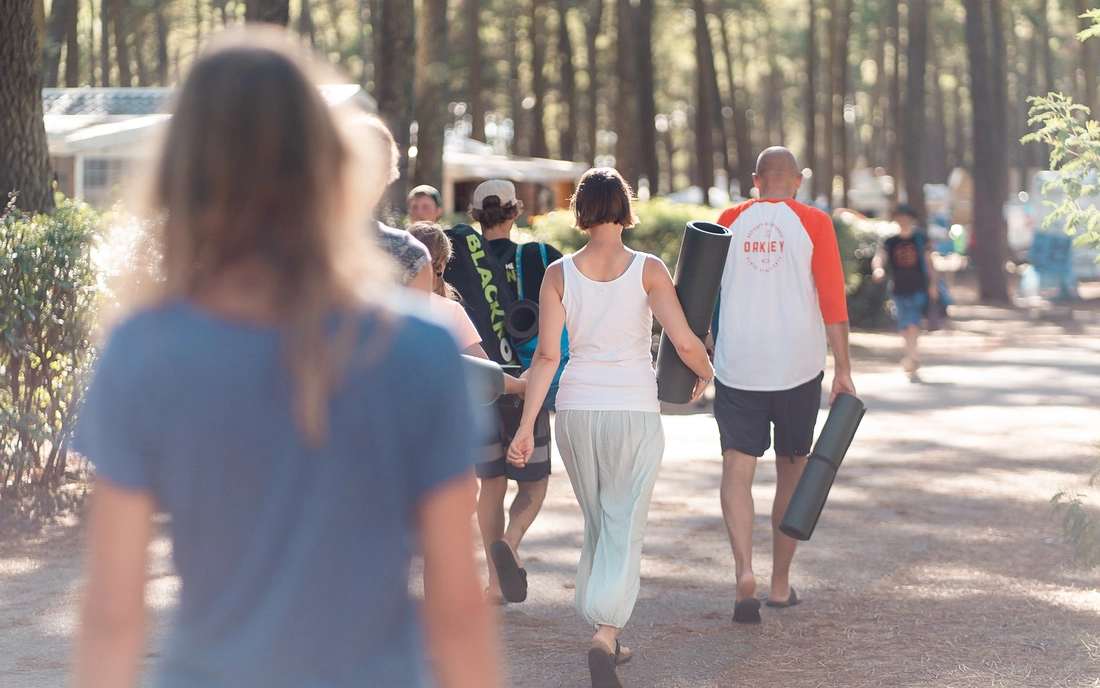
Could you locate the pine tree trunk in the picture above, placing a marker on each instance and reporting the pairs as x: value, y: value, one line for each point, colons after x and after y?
x: 432, y: 80
x: 162, y: 42
x: 91, y: 43
x: 72, y: 49
x: 915, y: 128
x: 521, y: 142
x: 105, y: 42
x: 395, y: 62
x: 894, y: 132
x: 741, y: 133
x: 24, y: 154
x: 270, y: 11
x: 990, y: 244
x: 473, y: 58
x: 704, y: 103
x: 876, y: 156
x: 647, y: 106
x: 810, y: 154
x: 1088, y: 59
x: 626, y: 98
x: 537, y: 36
x: 122, y: 52
x: 721, y: 146
x: 841, y: 97
x: 829, y: 168
x: 591, y: 33
x: 61, y: 15
x: 305, y: 23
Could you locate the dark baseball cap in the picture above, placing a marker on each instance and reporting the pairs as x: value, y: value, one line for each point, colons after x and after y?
x: 904, y: 210
x: 427, y: 190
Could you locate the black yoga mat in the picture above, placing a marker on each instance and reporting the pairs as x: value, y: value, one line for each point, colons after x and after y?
x: 485, y: 378
x: 817, y: 478
x: 521, y: 320
x: 698, y: 279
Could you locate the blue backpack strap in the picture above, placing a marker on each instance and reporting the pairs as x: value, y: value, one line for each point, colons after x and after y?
x: 519, y: 271
x: 542, y: 250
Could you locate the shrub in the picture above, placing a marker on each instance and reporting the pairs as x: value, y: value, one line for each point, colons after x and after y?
x: 1080, y: 526
x: 858, y: 239
x: 659, y: 231
x: 49, y: 294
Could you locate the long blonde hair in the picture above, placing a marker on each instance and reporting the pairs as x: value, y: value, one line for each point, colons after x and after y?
x: 256, y: 167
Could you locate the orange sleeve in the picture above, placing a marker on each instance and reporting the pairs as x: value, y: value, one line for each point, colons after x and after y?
x: 729, y: 215
x: 826, y: 264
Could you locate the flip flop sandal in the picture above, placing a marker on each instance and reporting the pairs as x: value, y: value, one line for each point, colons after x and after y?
x: 791, y: 601
x: 512, y: 578
x: 622, y: 654
x: 747, y: 611
x: 602, y: 667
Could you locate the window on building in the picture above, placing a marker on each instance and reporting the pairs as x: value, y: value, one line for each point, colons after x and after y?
x: 103, y: 180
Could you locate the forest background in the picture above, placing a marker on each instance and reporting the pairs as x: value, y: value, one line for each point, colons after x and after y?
x: 674, y: 93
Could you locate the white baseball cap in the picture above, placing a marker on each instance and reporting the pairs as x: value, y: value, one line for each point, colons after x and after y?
x: 501, y: 188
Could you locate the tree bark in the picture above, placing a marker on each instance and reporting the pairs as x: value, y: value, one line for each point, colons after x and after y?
x: 704, y: 101
x: 270, y: 11
x: 647, y: 106
x: 24, y: 154
x: 105, y: 42
x: 122, y: 52
x: 810, y: 154
x: 841, y: 97
x: 830, y: 104
x: 591, y: 33
x: 473, y: 57
x: 1088, y: 59
x: 72, y: 48
x: 432, y: 80
x: 915, y: 125
x: 394, y: 83
x: 990, y: 243
x: 521, y: 143
x: 305, y: 22
x: 626, y: 98
x: 893, y: 129
x: 162, y: 42
x: 741, y: 132
x: 537, y: 36
x: 877, y: 154
x: 56, y: 30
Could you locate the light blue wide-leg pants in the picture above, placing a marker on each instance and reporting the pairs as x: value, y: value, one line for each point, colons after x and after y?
x: 612, y: 458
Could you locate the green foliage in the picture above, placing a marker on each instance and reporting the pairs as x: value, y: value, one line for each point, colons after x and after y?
x: 1074, y: 142
x: 659, y: 231
x: 49, y: 294
x: 858, y: 239
x: 1080, y: 526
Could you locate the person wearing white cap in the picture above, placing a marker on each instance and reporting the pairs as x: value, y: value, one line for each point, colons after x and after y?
x: 489, y: 279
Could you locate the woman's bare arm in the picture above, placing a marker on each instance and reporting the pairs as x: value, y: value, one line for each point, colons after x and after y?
x: 460, y: 629
x: 112, y: 626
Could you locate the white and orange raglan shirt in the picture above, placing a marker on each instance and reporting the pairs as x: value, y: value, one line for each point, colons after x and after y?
x: 782, y: 284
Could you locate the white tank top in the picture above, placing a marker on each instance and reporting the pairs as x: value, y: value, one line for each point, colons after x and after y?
x: 610, y: 329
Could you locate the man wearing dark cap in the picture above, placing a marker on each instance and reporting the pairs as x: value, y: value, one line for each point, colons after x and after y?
x: 425, y: 204
x: 907, y: 257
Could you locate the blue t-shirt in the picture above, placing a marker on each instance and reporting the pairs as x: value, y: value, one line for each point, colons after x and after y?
x: 294, y: 561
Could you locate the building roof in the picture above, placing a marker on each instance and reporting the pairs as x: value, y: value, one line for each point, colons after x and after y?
x: 105, y: 102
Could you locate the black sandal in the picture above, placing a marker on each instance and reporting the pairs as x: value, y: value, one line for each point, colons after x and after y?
x: 512, y: 578
x: 602, y: 666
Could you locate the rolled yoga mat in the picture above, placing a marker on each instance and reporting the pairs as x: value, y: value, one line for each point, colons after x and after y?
x: 698, y: 279
x: 485, y: 377
x: 817, y: 478
x: 521, y: 320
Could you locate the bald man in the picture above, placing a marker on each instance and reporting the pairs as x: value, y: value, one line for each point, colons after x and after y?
x: 782, y: 298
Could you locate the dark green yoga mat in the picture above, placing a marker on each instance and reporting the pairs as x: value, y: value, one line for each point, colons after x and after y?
x: 698, y: 278
x: 485, y: 378
x: 817, y: 478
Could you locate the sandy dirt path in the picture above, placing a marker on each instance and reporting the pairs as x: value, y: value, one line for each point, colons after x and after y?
x: 936, y: 562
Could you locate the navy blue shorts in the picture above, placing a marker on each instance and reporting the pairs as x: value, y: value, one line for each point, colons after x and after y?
x: 494, y: 464
x: 745, y: 418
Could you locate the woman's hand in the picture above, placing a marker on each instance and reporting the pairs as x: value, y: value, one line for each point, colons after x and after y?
x: 700, y: 387
x: 522, y: 446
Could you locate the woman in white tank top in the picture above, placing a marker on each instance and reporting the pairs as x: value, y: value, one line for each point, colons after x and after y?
x: 608, y: 417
